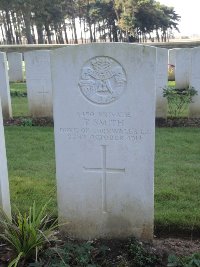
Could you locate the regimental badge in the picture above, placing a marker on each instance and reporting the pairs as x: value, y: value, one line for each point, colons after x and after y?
x: 102, y: 80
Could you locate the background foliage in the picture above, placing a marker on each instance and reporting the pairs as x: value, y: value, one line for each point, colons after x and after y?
x: 55, y: 21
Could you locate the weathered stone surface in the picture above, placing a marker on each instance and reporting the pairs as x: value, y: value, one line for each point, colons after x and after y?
x: 15, y: 67
x: 104, y: 117
x: 39, y: 86
x: 4, y: 185
x: 4, y: 88
x: 194, y: 107
x: 161, y: 82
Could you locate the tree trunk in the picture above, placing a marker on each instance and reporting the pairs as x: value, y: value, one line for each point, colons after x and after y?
x: 27, y: 21
x: 7, y: 29
x: 110, y: 33
x: 19, y: 23
x: 104, y: 31
x: 48, y: 32
x: 114, y: 32
x: 2, y: 33
x: 61, y: 40
x: 65, y: 31
x: 80, y: 25
x: 33, y: 33
x: 72, y: 35
x: 39, y: 27
x: 84, y: 27
x: 9, y: 21
x: 89, y: 21
x: 90, y: 28
x: 157, y: 35
x: 14, y: 21
x: 94, y: 33
x: 74, y: 29
x: 99, y: 31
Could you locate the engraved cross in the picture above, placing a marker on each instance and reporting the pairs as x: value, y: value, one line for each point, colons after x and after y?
x: 104, y: 170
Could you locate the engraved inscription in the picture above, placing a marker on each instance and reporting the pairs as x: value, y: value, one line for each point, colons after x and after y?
x: 104, y: 126
x: 103, y: 80
x: 104, y: 170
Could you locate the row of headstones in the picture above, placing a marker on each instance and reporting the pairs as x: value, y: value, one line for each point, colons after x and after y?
x: 104, y: 127
x: 186, y: 65
x: 39, y: 86
x: 38, y: 80
x: 13, y: 73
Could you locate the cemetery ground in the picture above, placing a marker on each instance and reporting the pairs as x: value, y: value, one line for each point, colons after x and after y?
x: 31, y: 165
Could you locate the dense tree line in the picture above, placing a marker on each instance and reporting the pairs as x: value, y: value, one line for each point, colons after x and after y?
x: 65, y: 21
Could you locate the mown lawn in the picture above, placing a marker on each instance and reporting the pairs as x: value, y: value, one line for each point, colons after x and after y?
x: 20, y: 106
x: 19, y: 99
x: 177, y: 178
x: 19, y: 87
x: 31, y: 162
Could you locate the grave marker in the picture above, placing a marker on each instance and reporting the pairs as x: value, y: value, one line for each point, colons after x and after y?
x: 5, y: 88
x: 39, y: 87
x: 4, y: 185
x: 183, y: 65
x: 172, y: 62
x: 15, y: 67
x: 194, y: 80
x: 104, y: 117
x: 161, y: 82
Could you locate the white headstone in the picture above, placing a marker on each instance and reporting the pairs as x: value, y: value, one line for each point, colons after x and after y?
x: 15, y: 67
x: 4, y: 88
x: 161, y: 82
x: 194, y: 108
x: 171, y: 63
x: 172, y: 56
x: 4, y: 185
x: 104, y: 114
x: 39, y: 86
x: 182, y: 69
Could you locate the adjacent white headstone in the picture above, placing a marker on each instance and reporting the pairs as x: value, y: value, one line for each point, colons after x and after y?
x: 172, y: 55
x: 15, y: 67
x: 39, y: 86
x: 171, y: 63
x: 161, y: 82
x: 194, y: 108
x: 4, y: 185
x: 182, y: 69
x: 104, y: 114
x: 4, y: 88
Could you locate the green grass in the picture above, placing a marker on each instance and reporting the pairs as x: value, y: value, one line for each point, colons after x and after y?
x: 19, y: 87
x: 20, y: 106
x: 171, y: 83
x: 177, y: 178
x: 19, y: 99
x: 31, y: 163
